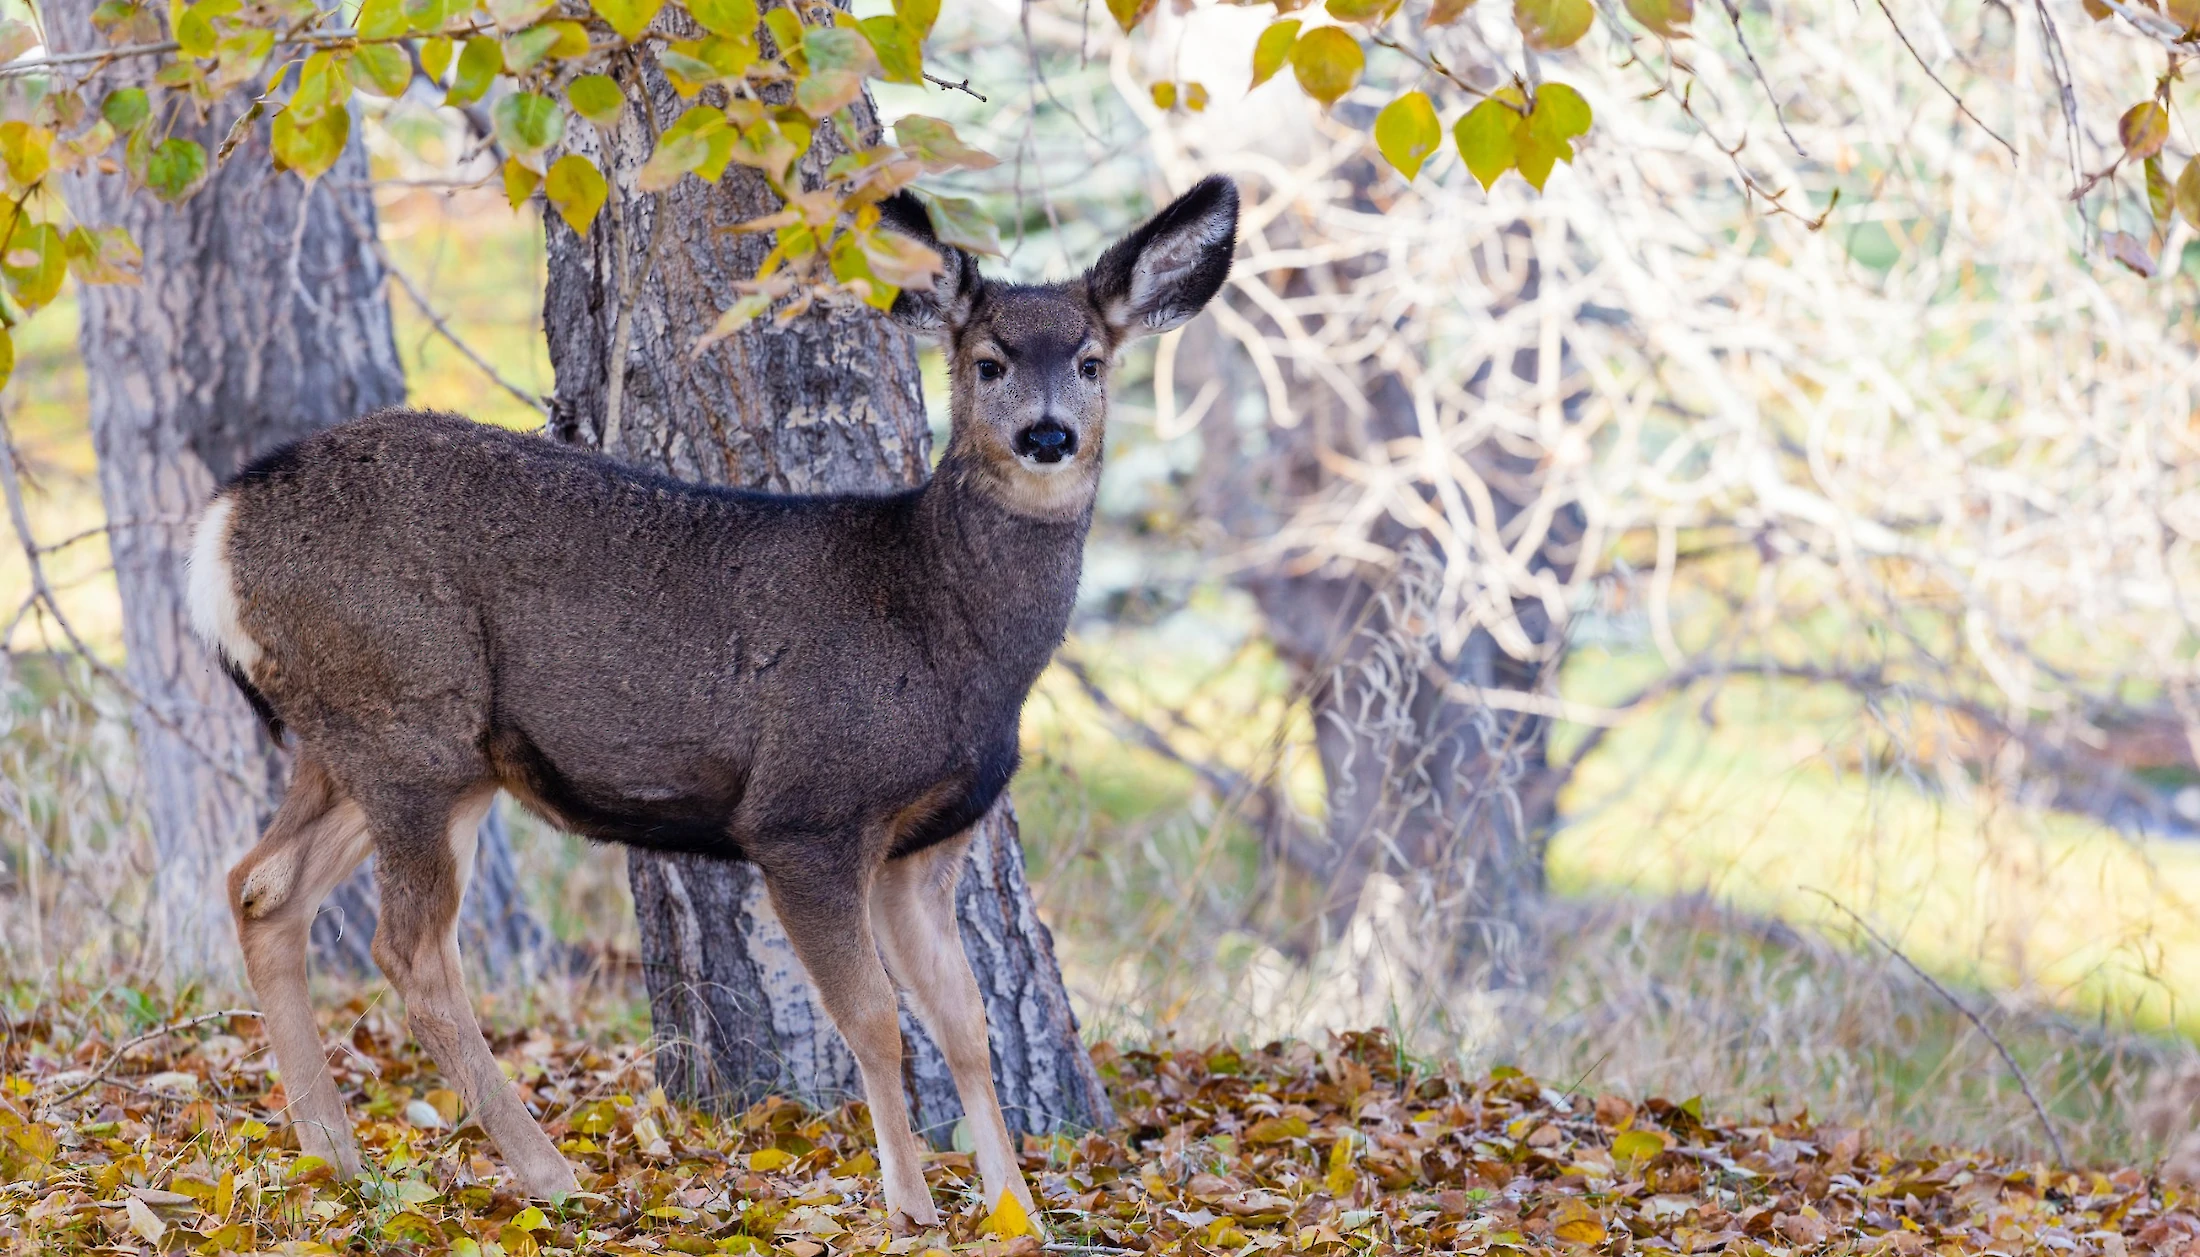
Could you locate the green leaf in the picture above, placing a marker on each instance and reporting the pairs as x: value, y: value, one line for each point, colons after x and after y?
x: 1327, y: 62
x: 194, y: 34
x: 735, y: 19
x: 7, y: 357
x: 919, y: 14
x: 1553, y: 24
x: 935, y: 143
x: 765, y: 146
x: 428, y: 15
x: 520, y: 181
x: 478, y: 66
x: 712, y: 60
x: 958, y: 221
x: 324, y: 83
x: 839, y: 60
x: 1129, y: 13
x: 576, y: 190
x: 1273, y: 48
x: 174, y: 168
x: 527, y: 124
x: 899, y: 47
x: 628, y: 17
x: 1407, y: 131
x: 35, y: 262
x: 2188, y: 192
x: 309, y: 146
x: 514, y: 15
x: 597, y: 98
x: 524, y: 51
x: 1487, y: 139
x: 1668, y: 19
x: 385, y: 67
x: 126, y: 107
x: 2144, y: 128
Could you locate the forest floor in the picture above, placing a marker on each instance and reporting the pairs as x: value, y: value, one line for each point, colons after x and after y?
x: 173, y: 1143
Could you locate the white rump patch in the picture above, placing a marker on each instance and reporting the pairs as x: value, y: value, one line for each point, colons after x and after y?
x: 210, y: 588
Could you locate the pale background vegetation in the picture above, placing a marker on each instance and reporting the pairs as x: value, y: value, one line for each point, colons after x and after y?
x: 1941, y: 443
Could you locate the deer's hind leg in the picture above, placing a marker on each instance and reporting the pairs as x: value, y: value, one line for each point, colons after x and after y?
x: 424, y: 851
x: 317, y: 838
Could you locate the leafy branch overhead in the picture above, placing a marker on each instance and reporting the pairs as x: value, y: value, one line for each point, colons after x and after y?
x: 760, y: 86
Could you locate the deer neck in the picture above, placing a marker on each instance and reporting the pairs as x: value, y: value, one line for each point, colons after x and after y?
x: 1006, y: 579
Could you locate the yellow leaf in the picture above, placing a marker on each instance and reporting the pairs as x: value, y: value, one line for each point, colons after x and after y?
x: 1489, y: 139
x: 2188, y: 192
x: 1328, y: 63
x: 1445, y: 12
x: 628, y: 17
x: 2144, y: 128
x: 1361, y: 10
x: 143, y: 1220
x: 1553, y: 24
x: 1406, y: 132
x: 1636, y: 1148
x: 1341, y: 1177
x: 1668, y: 19
x: 27, y: 150
x: 1273, y: 48
x: 765, y: 1160
x: 1164, y: 95
x: 576, y: 190
x: 1576, y: 1223
x: 519, y: 182
x: 1195, y: 97
x: 1008, y: 1220
x: 1129, y: 13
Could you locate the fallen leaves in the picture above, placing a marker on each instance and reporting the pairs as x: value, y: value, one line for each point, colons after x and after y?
x: 1334, y: 1150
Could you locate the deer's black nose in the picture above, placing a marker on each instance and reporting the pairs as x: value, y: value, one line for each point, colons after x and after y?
x: 1046, y: 441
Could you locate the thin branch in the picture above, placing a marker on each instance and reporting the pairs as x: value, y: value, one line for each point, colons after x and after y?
x: 2062, y: 1158
x: 420, y: 301
x: 963, y: 87
x: 1734, y: 15
x: 115, y: 1058
x: 1919, y: 57
x: 310, y: 39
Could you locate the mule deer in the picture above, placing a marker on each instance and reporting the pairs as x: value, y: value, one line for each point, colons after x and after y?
x: 827, y: 686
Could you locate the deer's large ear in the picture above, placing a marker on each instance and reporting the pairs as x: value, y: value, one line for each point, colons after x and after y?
x: 936, y: 310
x: 1165, y: 272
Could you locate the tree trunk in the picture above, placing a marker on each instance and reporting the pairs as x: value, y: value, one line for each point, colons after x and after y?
x: 1448, y: 795
x: 261, y: 317
x: 823, y: 404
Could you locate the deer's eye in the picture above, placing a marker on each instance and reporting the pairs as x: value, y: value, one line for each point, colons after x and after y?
x: 988, y: 369
x: 1090, y: 368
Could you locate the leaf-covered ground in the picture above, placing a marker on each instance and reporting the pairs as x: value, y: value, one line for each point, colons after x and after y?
x: 175, y: 1146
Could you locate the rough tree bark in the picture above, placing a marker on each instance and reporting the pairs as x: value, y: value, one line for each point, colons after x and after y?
x: 823, y: 404
x: 261, y: 317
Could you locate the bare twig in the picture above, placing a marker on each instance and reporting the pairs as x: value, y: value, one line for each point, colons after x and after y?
x: 2016, y: 1071
x: 1928, y: 69
x: 115, y: 1058
x: 420, y: 301
x: 963, y: 87
x: 1734, y: 15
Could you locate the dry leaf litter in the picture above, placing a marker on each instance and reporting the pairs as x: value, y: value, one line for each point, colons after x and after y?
x: 176, y: 1146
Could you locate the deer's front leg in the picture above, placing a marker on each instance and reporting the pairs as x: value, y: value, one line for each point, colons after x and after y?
x: 827, y: 918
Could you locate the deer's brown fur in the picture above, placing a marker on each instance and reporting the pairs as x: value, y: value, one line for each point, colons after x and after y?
x: 828, y: 686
